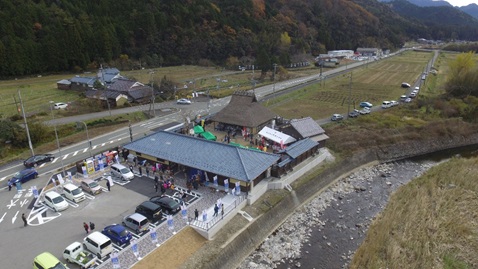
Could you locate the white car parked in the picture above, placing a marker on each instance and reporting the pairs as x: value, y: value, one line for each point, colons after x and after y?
x: 55, y: 201
x: 60, y: 106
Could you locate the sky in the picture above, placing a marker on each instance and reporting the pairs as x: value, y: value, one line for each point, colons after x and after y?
x: 461, y: 3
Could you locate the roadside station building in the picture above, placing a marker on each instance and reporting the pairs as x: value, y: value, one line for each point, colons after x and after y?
x: 209, y: 158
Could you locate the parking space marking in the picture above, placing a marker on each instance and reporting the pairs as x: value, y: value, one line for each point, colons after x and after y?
x: 54, y: 161
x: 103, y: 144
x: 66, y: 156
x: 103, y: 189
x: 86, y: 150
x: 116, y: 247
x: 3, y: 178
x: 89, y: 196
x: 1, y: 219
x: 76, y: 152
x: 73, y: 204
x: 112, y: 141
x: 41, y: 165
x: 95, y: 146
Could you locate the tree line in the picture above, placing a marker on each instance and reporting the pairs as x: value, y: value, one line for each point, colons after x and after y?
x: 46, y: 36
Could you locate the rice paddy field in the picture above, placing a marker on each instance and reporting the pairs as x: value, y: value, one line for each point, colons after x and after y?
x: 374, y: 83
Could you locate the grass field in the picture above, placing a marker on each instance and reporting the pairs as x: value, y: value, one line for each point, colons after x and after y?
x: 374, y: 83
x: 37, y: 92
x: 428, y: 223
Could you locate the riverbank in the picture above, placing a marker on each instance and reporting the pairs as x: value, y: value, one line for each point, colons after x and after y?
x: 325, y: 232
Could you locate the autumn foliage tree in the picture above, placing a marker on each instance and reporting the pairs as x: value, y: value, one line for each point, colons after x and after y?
x: 463, y: 78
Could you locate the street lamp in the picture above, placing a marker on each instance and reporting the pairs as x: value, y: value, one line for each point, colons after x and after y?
x: 87, y: 137
x: 57, y: 141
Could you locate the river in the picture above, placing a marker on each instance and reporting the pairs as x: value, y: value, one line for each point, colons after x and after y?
x: 326, y: 232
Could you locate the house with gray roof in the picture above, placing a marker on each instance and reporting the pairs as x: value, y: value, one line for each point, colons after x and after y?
x: 305, y: 128
x: 136, y: 91
x: 115, y: 99
x: 246, y: 166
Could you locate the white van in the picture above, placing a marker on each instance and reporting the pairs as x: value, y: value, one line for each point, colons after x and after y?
x: 98, y: 244
x: 386, y: 104
x: 73, y: 193
x: 55, y: 201
x: 120, y: 171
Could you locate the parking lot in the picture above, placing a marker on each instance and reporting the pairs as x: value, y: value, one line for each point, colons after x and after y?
x: 52, y: 231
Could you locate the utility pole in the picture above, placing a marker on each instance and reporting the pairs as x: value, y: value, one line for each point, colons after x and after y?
x: 151, y: 73
x: 26, y: 125
x: 130, y: 131
x: 57, y: 141
x: 274, y: 78
x: 104, y: 89
x: 350, y: 94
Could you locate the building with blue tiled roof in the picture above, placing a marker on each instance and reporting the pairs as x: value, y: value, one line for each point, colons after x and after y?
x: 225, y: 161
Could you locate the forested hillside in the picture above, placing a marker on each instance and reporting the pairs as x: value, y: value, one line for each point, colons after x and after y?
x: 43, y: 36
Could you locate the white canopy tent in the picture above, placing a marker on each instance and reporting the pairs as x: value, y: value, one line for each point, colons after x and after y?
x: 276, y: 136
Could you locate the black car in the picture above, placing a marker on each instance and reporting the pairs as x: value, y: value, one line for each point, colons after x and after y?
x: 167, y: 204
x: 353, y: 114
x: 150, y: 210
x: 38, y: 159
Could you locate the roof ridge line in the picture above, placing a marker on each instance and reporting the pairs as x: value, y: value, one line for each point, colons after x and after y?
x: 242, y: 163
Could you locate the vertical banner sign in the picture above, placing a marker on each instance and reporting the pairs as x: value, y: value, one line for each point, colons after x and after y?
x: 215, y: 182
x: 207, y: 178
x: 35, y: 192
x: 117, y: 158
x: 238, y: 188
x: 170, y: 222
x: 204, y: 215
x: 85, y: 174
x: 226, y: 185
x: 219, y: 202
x: 60, y: 179
x: 115, y: 261
x: 184, y: 212
x: 134, y: 248
x: 69, y: 176
x: 154, y: 236
x: 101, y: 164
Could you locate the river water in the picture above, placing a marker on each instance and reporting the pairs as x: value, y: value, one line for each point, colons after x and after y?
x: 327, y: 231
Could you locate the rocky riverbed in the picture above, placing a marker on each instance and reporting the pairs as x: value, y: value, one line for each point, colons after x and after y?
x: 326, y: 232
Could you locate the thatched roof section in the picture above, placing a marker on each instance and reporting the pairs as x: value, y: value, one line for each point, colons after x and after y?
x: 244, y: 110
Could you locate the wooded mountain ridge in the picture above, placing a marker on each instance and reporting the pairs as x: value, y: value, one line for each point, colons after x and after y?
x: 44, y: 36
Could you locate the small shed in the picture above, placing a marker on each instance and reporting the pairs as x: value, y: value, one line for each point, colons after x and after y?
x: 63, y: 84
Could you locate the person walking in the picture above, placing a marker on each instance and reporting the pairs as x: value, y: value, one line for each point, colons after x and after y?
x: 196, y: 214
x: 147, y: 170
x: 216, y: 210
x: 140, y: 171
x: 92, y: 226
x: 108, y: 185
x: 86, y: 227
x: 25, y: 223
x: 9, y: 185
x: 156, y: 187
x: 222, y: 210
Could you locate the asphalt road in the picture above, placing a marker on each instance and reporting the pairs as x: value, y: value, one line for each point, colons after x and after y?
x: 50, y: 231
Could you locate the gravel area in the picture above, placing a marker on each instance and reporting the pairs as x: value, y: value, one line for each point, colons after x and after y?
x: 326, y: 232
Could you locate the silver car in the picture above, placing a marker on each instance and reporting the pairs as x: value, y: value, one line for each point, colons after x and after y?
x: 136, y: 222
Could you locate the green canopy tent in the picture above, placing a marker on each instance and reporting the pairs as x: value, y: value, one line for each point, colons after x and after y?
x: 208, y: 135
x: 236, y: 144
x: 198, y: 129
